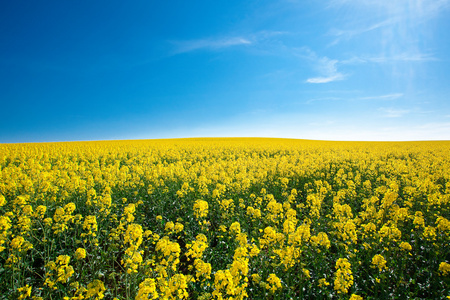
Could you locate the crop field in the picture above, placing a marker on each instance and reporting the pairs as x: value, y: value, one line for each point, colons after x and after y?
x: 225, y: 219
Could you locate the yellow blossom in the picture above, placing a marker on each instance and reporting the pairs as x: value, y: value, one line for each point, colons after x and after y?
x: 343, y: 276
x: 147, y: 290
x: 275, y: 282
x: 323, y: 282
x: 200, y: 209
x: 96, y: 288
x: 80, y: 253
x: 379, y: 262
x: 24, y: 292
x: 405, y: 246
x: 444, y: 268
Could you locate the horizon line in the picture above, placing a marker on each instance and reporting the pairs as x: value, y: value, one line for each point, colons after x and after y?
x: 224, y: 137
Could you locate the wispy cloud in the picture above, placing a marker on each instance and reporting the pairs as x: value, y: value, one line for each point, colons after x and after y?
x: 390, y: 59
x: 401, y: 57
x: 328, y: 70
x: 324, y: 99
x: 267, y: 34
x: 386, y: 97
x: 393, y: 112
x: 325, y: 79
x: 218, y: 43
x: 347, y: 34
x: 419, y: 9
x: 402, y: 29
x: 210, y: 44
x: 383, y: 97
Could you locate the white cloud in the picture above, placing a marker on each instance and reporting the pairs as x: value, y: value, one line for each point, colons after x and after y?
x: 394, y: 113
x: 403, y: 31
x: 401, y: 57
x: 383, y: 97
x: 211, y: 44
x: 386, y: 97
x: 415, y: 8
x: 267, y: 34
x: 390, y: 58
x: 347, y: 34
x: 328, y: 69
x: 217, y: 43
x: 324, y: 99
x: 325, y: 79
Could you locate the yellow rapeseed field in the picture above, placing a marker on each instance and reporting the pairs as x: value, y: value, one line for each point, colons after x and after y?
x: 225, y: 219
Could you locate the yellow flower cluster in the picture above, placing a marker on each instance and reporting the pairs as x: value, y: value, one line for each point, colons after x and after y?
x: 58, y: 271
x: 96, y: 289
x: 80, y: 253
x: 63, y: 216
x: 200, y: 209
x: 274, y: 283
x: 24, y: 292
x: 5, y: 225
x: 89, y: 225
x: 133, y: 257
x: 379, y: 262
x: 197, y: 247
x: 147, y: 290
x: 444, y: 267
x: 343, y: 276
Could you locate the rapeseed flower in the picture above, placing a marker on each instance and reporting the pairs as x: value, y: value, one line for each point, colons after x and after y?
x: 235, y: 228
x: 379, y: 262
x: 443, y: 225
x: 323, y: 282
x: 405, y: 246
x: 274, y: 283
x: 200, y: 209
x: 40, y: 211
x: 343, y: 276
x: 96, y: 289
x: 444, y: 268
x: 24, y: 292
x: 80, y: 253
x: 147, y: 290
x: 202, y: 269
x: 5, y: 225
x: 196, y: 248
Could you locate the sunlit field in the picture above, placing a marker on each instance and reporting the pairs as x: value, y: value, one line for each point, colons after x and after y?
x: 225, y: 219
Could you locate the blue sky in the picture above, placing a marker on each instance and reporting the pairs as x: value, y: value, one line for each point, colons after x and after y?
x: 332, y: 69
